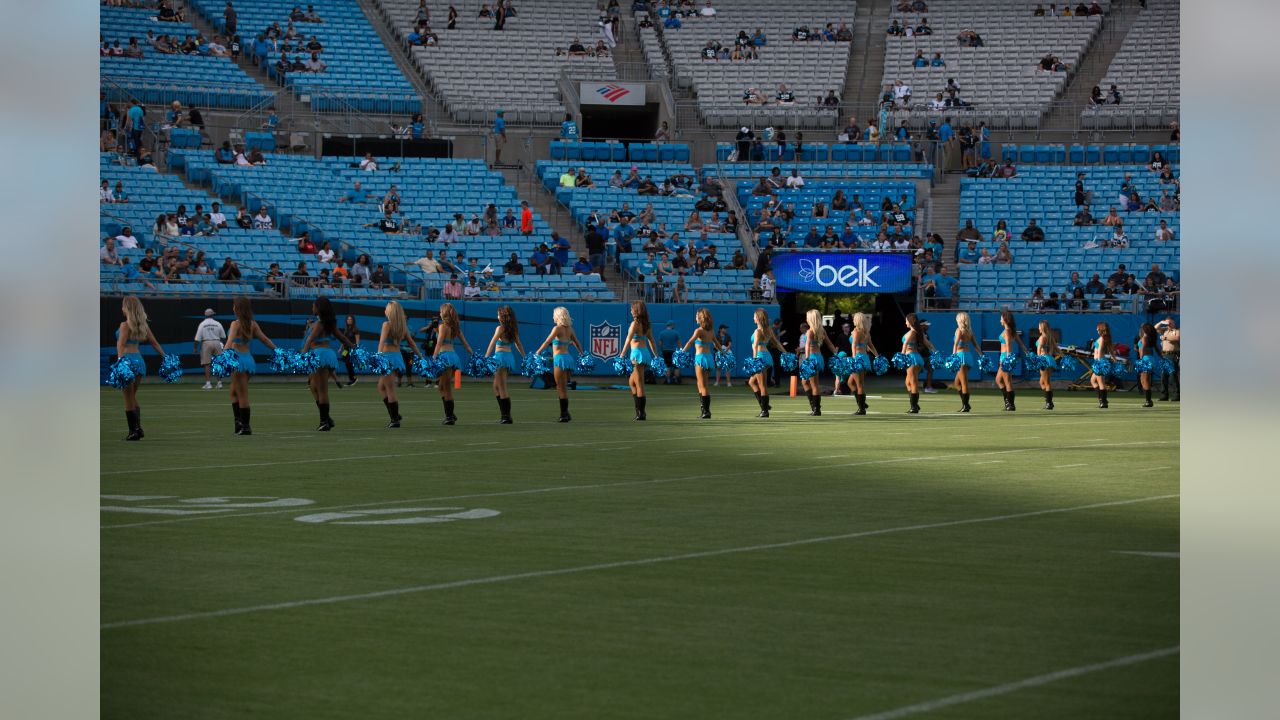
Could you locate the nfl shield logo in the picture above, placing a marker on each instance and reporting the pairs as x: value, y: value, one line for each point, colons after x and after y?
x: 606, y: 338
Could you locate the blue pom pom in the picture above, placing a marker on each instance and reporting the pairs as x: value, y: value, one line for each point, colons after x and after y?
x: 533, y: 365
x: 281, y: 361
x: 1009, y: 363
x: 753, y: 365
x: 658, y: 365
x: 587, y: 364
x: 725, y: 360
x: 859, y: 364
x: 620, y: 365
x: 1146, y: 364
x: 953, y: 363
x: 938, y: 361
x: 842, y: 366
x: 808, y: 368
x: 306, y: 363
x: 880, y: 365
x: 788, y: 362
x: 121, y: 374
x: 1166, y: 366
x: 428, y: 367
x: 901, y: 361
x: 170, y: 369
x: 1100, y: 366
x: 363, y: 360
x: 1066, y: 363
x: 682, y: 359
x: 986, y: 365
x: 225, y: 363
x: 479, y: 366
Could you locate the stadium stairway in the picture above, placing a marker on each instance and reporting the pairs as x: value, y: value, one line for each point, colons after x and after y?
x: 287, y: 105
x: 627, y: 55
x: 866, y: 61
x: 944, y: 216
x: 1065, y: 114
x: 435, y: 113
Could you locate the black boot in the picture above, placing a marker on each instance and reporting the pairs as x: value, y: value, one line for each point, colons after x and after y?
x: 131, y: 418
x: 1005, y: 394
x: 764, y: 405
x: 704, y: 401
x: 964, y: 403
x: 245, y: 429
x: 137, y: 418
x: 1013, y: 406
x: 862, y: 403
x: 235, y: 409
x: 449, y: 418
x: 1147, y: 394
x: 817, y: 406
x: 326, y: 422
x: 504, y: 411
x: 393, y: 409
x: 640, y: 402
x: 564, y: 410
x: 1102, y: 399
x: 915, y: 404
x: 1048, y: 399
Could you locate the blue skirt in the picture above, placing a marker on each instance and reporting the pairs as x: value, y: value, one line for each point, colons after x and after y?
x: 915, y: 360
x: 563, y: 361
x: 817, y: 360
x: 327, y: 357
x: 861, y: 362
x: 247, y: 363
x: 449, y: 359
x: 394, y: 359
x: 505, y: 360
x: 640, y: 355
x: 968, y: 358
x: 706, y: 361
x: 135, y: 361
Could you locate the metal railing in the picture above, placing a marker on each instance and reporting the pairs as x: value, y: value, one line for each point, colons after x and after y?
x: 1120, y: 305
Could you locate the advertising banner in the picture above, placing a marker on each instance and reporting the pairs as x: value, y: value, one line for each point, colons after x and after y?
x: 843, y: 272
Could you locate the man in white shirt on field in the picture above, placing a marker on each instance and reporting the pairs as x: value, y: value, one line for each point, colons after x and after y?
x: 208, y: 342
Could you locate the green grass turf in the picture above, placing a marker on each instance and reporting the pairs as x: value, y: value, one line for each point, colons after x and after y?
x: 835, y: 628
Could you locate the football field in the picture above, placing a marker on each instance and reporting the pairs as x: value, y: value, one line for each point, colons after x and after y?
x: 990, y: 565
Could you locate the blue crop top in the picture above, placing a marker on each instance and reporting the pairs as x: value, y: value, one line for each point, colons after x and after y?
x: 909, y: 345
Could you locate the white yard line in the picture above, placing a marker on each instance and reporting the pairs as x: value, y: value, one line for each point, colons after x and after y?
x: 1153, y: 469
x: 1005, y: 689
x: 1059, y: 467
x: 494, y: 579
x: 634, y: 483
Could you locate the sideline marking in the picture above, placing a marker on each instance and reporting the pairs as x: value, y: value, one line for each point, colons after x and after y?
x: 1015, y: 686
x: 1162, y: 467
x: 493, y: 579
x: 654, y: 481
x: 1057, y: 467
x: 355, y: 518
x: 681, y: 452
x: 988, y: 462
x: 383, y: 456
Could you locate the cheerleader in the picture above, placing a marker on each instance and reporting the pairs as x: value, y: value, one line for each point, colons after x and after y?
x: 133, y: 332
x: 243, y: 330
x: 965, y: 346
x: 761, y: 339
x: 323, y: 332
x: 912, y: 340
x: 1103, y: 347
x: 560, y: 339
x: 813, y: 340
x: 353, y: 334
x: 1148, y: 346
x: 640, y: 333
x: 505, y: 336
x: 1047, y: 347
x: 395, y: 330
x: 450, y: 331
x: 705, y: 344
x: 863, y: 350
x: 1008, y: 338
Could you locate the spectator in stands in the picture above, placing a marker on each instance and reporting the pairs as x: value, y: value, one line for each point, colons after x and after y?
x: 894, y: 29
x: 1133, y: 203
x: 1094, y: 8
x: 1095, y: 286
x: 229, y: 272
x: 784, y: 96
x: 1074, y: 283
x: 969, y: 38
x: 361, y: 270
x: 1112, y: 218
x: 305, y: 245
x: 1095, y: 97
x: 452, y: 289
x: 920, y: 61
x: 1036, y: 301
x: 1033, y: 232
x: 969, y: 255
x: 428, y: 264
x: 216, y: 217
x: 1038, y: 12
x: 795, y: 181
x: 540, y: 260
x: 1003, y: 256
x: 1001, y: 233
x: 1164, y: 233
x: 1008, y: 170
x: 1083, y: 217
x: 937, y: 61
x: 1078, y: 300
x: 107, y: 254
x: 743, y: 140
x: 872, y: 133
x: 969, y: 232
x: 1118, y: 237
x: 262, y: 221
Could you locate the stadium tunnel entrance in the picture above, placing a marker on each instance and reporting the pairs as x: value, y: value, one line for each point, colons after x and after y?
x: 888, y: 316
x: 635, y: 123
